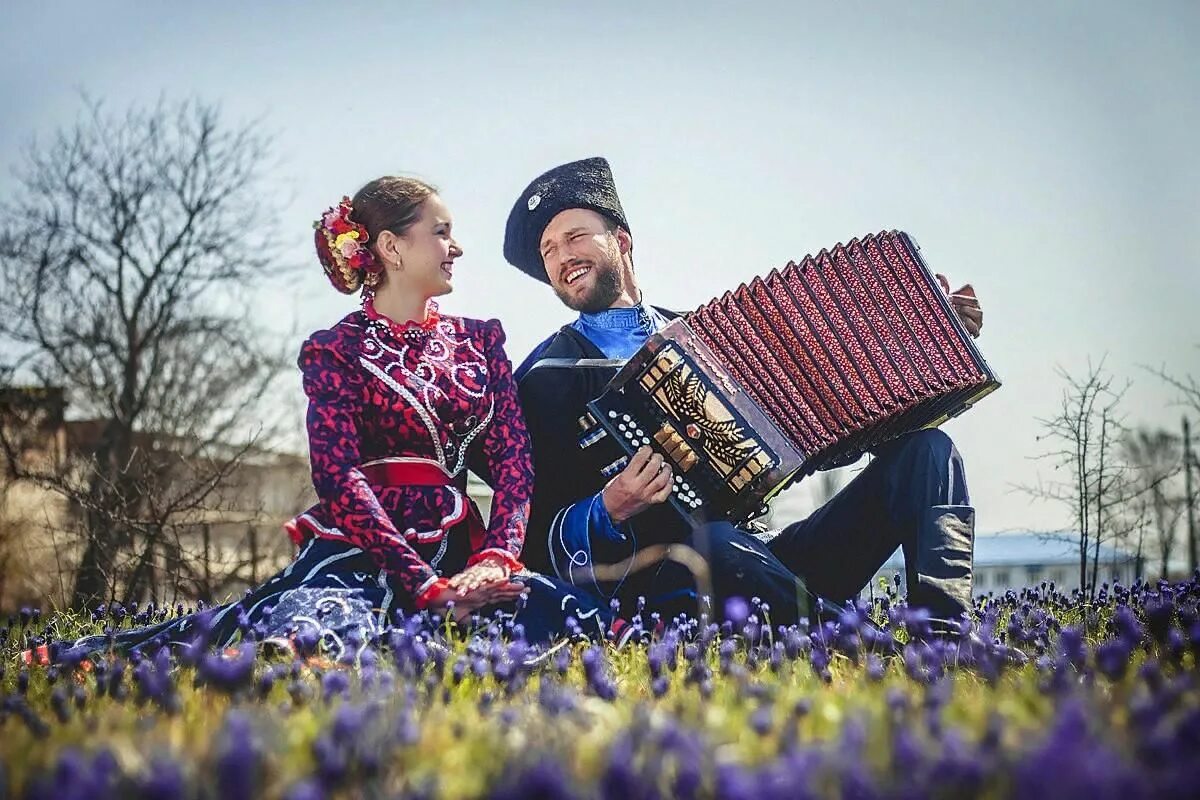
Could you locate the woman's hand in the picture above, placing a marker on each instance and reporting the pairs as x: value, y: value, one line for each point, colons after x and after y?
x: 486, y: 572
x: 495, y: 593
x: 466, y: 603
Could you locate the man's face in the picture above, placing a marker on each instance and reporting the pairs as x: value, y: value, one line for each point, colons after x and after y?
x: 582, y: 258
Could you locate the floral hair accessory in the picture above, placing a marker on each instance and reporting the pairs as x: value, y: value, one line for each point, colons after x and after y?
x: 343, y: 252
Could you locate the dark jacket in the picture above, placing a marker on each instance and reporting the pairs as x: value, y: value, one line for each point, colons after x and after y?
x: 553, y: 400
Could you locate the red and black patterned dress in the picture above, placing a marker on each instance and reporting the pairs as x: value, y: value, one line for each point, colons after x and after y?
x: 397, y: 415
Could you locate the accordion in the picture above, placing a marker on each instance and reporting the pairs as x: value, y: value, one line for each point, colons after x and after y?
x: 802, y: 370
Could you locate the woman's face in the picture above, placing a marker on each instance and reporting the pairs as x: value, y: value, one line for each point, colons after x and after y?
x: 427, y: 251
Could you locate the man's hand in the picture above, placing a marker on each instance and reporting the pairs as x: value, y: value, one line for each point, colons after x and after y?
x: 645, y: 481
x: 966, y: 305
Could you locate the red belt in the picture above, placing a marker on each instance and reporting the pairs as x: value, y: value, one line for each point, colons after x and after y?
x: 427, y: 473
x: 411, y: 473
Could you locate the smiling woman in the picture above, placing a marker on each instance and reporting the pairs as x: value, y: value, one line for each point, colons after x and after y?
x: 403, y: 401
x: 410, y: 230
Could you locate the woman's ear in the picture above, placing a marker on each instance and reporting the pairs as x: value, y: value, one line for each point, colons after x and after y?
x: 389, y: 247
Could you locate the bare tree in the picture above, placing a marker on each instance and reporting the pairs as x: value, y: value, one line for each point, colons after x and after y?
x: 1189, y: 396
x: 127, y: 252
x: 1096, y: 482
x: 1188, y: 386
x: 1157, y: 457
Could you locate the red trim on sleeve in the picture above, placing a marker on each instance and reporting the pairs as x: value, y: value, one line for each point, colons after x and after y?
x: 509, y: 560
x: 426, y: 597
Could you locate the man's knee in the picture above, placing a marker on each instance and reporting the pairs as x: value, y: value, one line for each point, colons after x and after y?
x: 932, y: 442
x: 926, y: 466
x: 928, y: 448
x: 733, y: 554
x: 717, y: 541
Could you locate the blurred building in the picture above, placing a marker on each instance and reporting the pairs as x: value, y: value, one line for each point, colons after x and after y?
x: 1015, y: 560
x: 229, y: 540
x: 234, y: 540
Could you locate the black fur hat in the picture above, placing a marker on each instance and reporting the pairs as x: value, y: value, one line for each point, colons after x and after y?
x: 580, y: 184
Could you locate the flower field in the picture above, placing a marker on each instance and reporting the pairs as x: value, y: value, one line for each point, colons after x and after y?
x: 1045, y: 695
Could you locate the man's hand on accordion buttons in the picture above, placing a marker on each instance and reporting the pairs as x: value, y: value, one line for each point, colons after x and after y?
x: 965, y: 304
x: 645, y: 481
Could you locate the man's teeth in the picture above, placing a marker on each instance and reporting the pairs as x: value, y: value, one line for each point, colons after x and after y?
x: 571, y: 276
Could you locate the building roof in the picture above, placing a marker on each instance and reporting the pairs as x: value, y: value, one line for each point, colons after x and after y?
x: 1016, y: 548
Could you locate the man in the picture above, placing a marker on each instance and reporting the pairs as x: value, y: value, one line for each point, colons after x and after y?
x: 568, y: 230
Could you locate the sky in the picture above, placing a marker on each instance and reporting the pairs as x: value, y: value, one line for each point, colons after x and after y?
x: 1044, y: 152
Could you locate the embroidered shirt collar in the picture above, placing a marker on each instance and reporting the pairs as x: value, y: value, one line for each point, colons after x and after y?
x: 412, y: 325
x: 631, y: 318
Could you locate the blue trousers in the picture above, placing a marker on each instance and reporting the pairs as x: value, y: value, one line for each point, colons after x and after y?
x: 913, y: 495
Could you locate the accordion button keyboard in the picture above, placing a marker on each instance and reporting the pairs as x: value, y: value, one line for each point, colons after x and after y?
x: 589, y: 439
x: 614, y: 467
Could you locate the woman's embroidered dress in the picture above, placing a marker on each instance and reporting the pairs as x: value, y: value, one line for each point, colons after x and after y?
x: 397, y: 415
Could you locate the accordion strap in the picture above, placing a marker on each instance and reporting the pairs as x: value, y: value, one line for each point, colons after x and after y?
x: 578, y: 363
x: 585, y: 346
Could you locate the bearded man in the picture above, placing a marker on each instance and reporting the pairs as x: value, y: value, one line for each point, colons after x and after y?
x: 590, y: 519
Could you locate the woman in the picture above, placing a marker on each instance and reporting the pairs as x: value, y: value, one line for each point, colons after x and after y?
x: 402, y: 400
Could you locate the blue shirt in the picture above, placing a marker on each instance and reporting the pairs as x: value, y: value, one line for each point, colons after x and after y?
x: 617, y: 333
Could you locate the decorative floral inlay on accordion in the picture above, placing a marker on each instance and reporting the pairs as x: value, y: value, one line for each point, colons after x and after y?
x: 802, y: 370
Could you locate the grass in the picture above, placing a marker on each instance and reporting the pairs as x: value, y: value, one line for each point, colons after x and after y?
x: 398, y: 730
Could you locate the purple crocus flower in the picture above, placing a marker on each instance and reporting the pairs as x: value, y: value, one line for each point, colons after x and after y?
x: 228, y: 673
x: 335, y: 683
x: 299, y: 691
x: 164, y: 780
x: 1072, y: 646
x: 543, y: 779
x: 306, y: 789
x: 762, y: 720
x: 737, y: 611
x: 332, y: 757
x: 60, y: 704
x: 1112, y: 658
x: 562, y: 661
x: 154, y: 682
x: 1127, y: 626
x: 238, y: 759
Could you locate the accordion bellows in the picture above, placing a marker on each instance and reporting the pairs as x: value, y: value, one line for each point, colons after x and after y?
x: 803, y: 369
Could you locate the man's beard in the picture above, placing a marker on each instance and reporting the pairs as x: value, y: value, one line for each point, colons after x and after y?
x: 606, y: 288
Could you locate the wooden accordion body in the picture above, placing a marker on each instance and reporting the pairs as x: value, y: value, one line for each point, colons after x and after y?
x: 805, y: 369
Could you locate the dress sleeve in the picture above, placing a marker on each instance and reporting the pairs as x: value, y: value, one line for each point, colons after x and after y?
x: 334, y: 386
x: 502, y: 458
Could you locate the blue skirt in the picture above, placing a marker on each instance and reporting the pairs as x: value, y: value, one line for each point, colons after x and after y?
x: 334, y: 594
